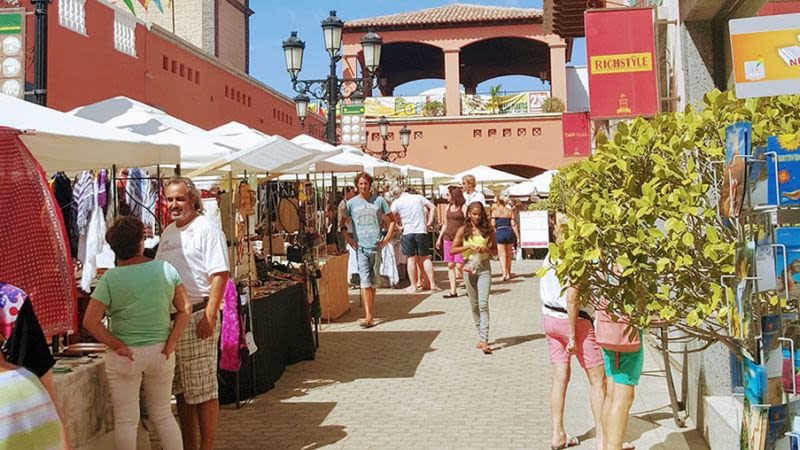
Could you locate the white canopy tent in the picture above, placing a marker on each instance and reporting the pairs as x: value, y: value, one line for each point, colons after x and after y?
x: 540, y: 184
x: 487, y: 175
x: 428, y: 175
x: 198, y: 146
x: 313, y: 143
x: 60, y: 141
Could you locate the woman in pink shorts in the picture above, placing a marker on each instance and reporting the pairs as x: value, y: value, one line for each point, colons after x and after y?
x: 454, y: 218
x: 569, y: 331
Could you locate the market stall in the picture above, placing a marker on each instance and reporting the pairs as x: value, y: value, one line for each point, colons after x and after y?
x: 35, y: 140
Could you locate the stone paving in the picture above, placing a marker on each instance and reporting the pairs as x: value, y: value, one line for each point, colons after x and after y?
x: 417, y: 381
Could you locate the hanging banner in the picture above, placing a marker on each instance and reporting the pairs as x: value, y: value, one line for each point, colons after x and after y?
x: 766, y: 55
x: 412, y: 106
x: 576, y: 134
x: 517, y: 103
x: 623, y: 77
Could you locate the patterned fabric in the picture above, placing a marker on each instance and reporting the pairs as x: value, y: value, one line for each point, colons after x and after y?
x: 102, y: 194
x: 28, y: 418
x: 134, y: 190
x: 232, y: 331
x: 196, y: 364
x: 34, y: 238
x: 11, y: 300
x: 83, y: 199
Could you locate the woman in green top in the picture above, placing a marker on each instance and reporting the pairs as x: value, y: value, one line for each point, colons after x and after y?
x: 476, y: 241
x: 136, y: 296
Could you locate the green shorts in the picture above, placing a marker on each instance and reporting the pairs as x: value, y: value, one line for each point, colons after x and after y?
x: 627, y: 369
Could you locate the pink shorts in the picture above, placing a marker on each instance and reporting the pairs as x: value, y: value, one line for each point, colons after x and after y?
x: 586, y: 348
x: 458, y: 259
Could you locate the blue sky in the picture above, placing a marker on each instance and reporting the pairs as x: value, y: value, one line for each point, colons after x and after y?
x: 275, y: 19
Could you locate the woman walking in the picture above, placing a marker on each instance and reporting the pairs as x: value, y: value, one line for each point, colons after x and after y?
x: 454, y: 218
x: 476, y: 242
x: 136, y: 296
x: 505, y: 226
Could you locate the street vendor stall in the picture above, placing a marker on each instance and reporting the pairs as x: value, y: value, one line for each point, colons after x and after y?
x: 34, y: 139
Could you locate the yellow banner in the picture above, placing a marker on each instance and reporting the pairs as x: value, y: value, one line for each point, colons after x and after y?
x: 621, y: 63
x: 766, y: 56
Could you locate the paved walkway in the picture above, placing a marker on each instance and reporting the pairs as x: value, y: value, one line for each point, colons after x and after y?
x: 417, y: 381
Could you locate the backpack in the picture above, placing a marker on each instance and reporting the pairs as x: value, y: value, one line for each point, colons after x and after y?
x: 613, y: 335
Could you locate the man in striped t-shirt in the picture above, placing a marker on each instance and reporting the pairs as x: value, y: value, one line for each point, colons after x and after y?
x: 28, y: 417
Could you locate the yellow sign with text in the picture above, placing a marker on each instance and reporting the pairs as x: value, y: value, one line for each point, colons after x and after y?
x: 766, y: 56
x: 621, y: 63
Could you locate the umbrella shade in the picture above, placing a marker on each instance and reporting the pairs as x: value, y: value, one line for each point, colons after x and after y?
x: 485, y: 174
x: 60, y: 141
x: 198, y: 146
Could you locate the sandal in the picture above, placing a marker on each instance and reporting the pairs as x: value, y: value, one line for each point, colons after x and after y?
x: 570, y: 442
x: 451, y: 295
x: 365, y: 324
x: 488, y: 351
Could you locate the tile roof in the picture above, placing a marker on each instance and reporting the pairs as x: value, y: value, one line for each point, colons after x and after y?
x: 453, y: 14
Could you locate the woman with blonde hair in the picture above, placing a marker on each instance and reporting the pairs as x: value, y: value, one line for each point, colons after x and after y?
x: 505, y: 226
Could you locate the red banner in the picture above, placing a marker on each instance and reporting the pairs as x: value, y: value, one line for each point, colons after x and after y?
x: 576, y: 134
x: 620, y: 49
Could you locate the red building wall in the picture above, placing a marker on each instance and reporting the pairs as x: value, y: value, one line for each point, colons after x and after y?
x: 779, y: 7
x: 166, y: 73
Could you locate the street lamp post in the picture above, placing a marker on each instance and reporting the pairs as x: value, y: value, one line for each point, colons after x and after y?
x: 330, y: 89
x: 385, y: 154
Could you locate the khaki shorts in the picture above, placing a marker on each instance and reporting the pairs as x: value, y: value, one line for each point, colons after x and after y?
x: 196, y: 363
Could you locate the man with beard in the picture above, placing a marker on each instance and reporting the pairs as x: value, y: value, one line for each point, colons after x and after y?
x: 196, y: 246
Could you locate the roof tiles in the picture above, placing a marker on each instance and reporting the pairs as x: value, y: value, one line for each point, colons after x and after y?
x: 454, y: 14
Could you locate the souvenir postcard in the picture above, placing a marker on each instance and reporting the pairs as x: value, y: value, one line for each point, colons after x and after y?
x: 755, y: 382
x: 765, y: 263
x: 755, y: 426
x: 737, y: 149
x: 758, y: 179
x: 785, y: 187
x: 742, y: 311
x: 772, y: 353
x: 778, y: 427
x: 787, y: 263
x: 791, y: 363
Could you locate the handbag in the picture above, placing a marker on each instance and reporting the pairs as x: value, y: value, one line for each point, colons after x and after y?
x: 613, y: 335
x: 294, y: 254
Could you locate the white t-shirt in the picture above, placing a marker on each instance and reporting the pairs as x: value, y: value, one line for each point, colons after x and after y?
x: 476, y: 196
x: 198, y: 250
x: 550, y: 292
x: 411, y: 209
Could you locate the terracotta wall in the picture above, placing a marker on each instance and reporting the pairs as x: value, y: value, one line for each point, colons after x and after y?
x: 451, y: 145
x: 166, y: 73
x: 231, y: 39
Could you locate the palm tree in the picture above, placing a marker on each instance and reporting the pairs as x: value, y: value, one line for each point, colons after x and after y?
x: 495, y: 102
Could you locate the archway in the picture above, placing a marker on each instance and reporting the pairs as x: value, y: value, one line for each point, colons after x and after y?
x: 496, y: 57
x: 520, y: 170
x: 402, y: 62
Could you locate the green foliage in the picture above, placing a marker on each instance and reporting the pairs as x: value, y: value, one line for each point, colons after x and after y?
x: 642, y: 229
x: 553, y: 105
x: 495, y: 102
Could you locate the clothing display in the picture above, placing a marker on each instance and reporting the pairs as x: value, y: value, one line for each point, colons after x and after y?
x: 91, y: 242
x: 25, y: 345
x: 37, y: 255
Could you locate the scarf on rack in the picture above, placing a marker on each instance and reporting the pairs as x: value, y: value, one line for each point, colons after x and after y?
x: 102, y: 195
x: 232, y: 339
x: 83, y: 200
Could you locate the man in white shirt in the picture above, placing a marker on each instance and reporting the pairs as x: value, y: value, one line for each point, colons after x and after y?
x: 470, y: 194
x: 410, y: 209
x: 196, y: 246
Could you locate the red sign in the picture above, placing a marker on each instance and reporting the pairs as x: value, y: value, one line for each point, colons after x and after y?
x: 576, y: 134
x: 620, y: 49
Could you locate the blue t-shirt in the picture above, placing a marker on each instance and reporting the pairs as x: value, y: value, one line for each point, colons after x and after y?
x: 367, y: 215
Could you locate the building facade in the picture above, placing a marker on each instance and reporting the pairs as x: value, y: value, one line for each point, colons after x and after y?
x: 97, y: 50
x: 465, y: 45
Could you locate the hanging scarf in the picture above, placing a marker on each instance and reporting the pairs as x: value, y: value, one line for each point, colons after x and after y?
x: 231, y: 336
x: 102, y: 195
x: 11, y: 300
x: 134, y: 190
x: 83, y: 199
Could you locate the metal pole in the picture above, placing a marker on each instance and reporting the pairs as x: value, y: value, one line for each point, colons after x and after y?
x: 40, y: 51
x: 384, y: 152
x: 333, y: 97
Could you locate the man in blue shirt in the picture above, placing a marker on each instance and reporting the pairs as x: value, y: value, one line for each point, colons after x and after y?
x: 367, y: 211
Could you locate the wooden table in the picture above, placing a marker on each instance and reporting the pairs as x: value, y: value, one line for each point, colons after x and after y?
x: 333, y: 295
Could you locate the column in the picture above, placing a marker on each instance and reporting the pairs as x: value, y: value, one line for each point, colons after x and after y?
x: 452, y: 82
x: 558, y: 71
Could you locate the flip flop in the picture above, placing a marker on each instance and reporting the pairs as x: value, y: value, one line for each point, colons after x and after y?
x: 450, y: 295
x: 628, y: 446
x: 364, y: 324
x: 571, y: 441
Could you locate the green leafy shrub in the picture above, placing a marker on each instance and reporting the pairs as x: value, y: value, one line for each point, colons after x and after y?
x: 642, y: 229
